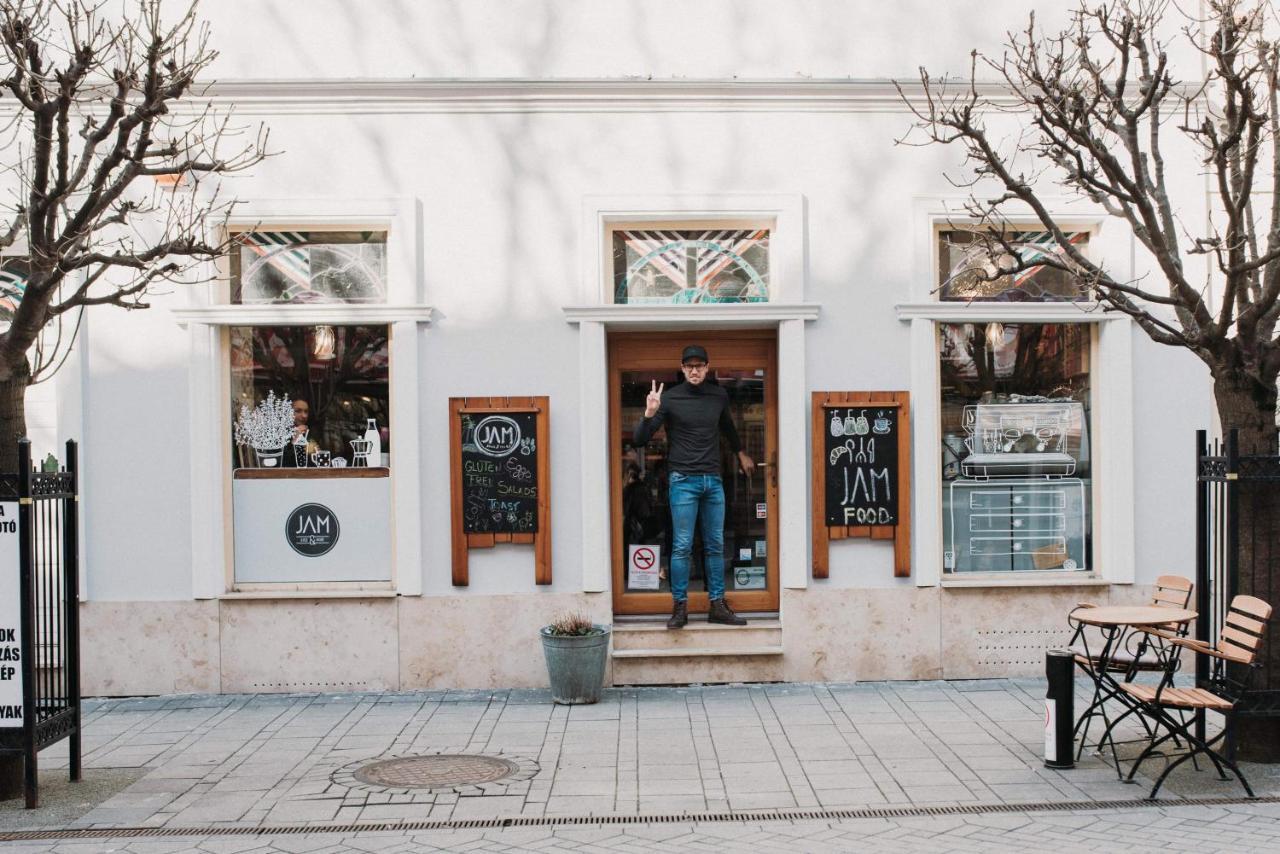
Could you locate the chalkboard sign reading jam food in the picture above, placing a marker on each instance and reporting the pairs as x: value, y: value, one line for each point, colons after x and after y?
x: 861, y: 461
x: 499, y: 472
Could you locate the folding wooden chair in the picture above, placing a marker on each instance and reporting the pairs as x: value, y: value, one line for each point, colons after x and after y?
x: 1230, y: 671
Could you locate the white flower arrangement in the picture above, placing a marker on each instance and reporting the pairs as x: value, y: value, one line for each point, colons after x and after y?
x: 268, y: 426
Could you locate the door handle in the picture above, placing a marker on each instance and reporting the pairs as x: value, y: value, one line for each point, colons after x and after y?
x: 772, y: 465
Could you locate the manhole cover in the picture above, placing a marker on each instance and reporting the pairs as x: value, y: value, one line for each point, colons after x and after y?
x: 436, y: 772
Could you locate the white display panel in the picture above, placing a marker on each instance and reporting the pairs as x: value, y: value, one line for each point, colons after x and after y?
x: 294, y: 530
x: 10, y: 618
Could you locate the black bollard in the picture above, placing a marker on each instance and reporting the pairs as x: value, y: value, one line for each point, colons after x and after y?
x: 1059, y: 709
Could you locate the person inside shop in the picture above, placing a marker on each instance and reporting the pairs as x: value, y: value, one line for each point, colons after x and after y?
x: 302, y: 446
x: 695, y: 414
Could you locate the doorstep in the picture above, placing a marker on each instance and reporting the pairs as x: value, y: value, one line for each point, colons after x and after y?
x: 648, y: 653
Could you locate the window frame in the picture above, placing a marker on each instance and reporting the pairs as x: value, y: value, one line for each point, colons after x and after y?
x: 208, y: 316
x: 681, y: 224
x: 1111, y: 418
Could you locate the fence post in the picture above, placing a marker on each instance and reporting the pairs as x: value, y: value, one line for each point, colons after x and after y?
x: 71, y: 591
x: 1233, y: 553
x: 1233, y: 514
x: 26, y: 586
x: 1202, y: 568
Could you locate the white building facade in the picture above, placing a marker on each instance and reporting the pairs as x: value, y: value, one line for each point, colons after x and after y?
x: 490, y: 207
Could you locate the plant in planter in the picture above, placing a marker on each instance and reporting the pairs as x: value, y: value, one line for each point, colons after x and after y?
x: 267, y: 428
x: 576, y: 650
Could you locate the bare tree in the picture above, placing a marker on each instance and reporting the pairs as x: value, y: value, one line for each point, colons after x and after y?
x: 112, y: 157
x: 1096, y: 108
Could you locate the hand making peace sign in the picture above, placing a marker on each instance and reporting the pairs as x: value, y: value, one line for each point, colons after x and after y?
x: 654, y: 400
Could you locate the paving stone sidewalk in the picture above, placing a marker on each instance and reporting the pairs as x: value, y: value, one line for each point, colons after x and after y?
x: 270, y: 760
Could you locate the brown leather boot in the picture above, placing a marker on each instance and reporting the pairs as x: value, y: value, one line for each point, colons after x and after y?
x: 679, y: 615
x: 721, y: 613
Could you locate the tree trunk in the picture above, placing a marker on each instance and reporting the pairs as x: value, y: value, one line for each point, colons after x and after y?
x: 1251, y: 409
x: 13, y: 413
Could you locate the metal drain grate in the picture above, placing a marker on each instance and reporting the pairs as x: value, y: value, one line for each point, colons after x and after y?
x: 443, y: 771
x: 662, y: 818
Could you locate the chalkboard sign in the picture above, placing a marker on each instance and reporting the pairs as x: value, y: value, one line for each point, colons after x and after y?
x: 861, y: 465
x: 499, y: 472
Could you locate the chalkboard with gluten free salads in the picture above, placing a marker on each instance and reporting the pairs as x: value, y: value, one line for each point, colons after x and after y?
x: 500, y: 479
x: 499, y: 472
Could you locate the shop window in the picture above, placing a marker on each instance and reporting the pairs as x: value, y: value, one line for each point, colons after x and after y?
x: 299, y: 267
x: 13, y: 283
x: 1016, y: 461
x: 691, y: 266
x: 309, y: 396
x: 965, y: 259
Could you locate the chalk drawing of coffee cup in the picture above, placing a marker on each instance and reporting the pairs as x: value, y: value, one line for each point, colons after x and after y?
x: 860, y: 426
x: 837, y: 426
x: 881, y: 425
x: 320, y: 459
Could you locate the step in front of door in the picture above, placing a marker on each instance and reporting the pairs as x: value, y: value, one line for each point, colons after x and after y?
x: 651, y: 654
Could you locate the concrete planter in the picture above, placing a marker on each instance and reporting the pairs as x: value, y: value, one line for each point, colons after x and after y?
x: 575, y: 664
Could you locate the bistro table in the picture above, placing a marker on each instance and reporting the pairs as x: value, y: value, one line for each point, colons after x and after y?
x: 1113, y: 621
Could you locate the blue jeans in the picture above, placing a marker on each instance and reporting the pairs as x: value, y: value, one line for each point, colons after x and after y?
x: 693, y: 497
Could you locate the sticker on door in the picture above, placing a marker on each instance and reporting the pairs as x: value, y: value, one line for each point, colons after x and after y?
x: 642, y: 567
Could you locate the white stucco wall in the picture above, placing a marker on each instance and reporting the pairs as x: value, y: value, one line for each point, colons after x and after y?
x: 501, y: 193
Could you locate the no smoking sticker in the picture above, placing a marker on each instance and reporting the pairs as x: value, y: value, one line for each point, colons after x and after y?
x: 642, y: 567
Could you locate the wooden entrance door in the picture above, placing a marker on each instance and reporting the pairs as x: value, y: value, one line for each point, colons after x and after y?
x: 745, y: 364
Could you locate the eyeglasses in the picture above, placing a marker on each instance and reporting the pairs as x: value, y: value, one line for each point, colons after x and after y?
x: 695, y: 366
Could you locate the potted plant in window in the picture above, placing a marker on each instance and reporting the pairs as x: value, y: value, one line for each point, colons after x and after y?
x: 576, y: 650
x: 267, y: 428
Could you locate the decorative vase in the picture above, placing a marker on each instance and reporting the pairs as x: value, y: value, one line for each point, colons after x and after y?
x: 575, y: 664
x: 374, y: 439
x: 269, y: 459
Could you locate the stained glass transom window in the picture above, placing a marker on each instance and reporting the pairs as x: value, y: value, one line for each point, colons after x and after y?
x: 13, y: 284
x: 691, y: 266
x: 965, y: 258
x: 309, y: 267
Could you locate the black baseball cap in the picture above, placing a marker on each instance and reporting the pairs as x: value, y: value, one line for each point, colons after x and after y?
x: 693, y: 351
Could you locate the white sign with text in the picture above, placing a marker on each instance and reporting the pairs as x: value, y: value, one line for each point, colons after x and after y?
x: 642, y: 567
x: 10, y: 618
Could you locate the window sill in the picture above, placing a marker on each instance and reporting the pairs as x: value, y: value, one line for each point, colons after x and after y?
x: 1007, y: 312
x: 663, y: 315
x: 289, y: 314
x: 302, y: 592
x: 1034, y: 578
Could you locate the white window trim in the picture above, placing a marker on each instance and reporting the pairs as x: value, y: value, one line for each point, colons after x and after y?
x: 209, y: 313
x: 784, y: 213
x: 1111, y: 382
x: 785, y: 311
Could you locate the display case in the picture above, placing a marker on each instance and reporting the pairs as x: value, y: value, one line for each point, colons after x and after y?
x: 1016, y: 524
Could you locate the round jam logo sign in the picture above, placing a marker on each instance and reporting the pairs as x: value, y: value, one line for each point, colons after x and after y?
x: 312, y: 530
x: 496, y: 435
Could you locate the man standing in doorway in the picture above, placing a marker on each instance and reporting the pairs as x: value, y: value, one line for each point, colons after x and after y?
x: 695, y: 414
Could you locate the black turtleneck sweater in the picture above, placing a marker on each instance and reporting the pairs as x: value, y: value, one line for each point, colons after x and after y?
x: 694, y: 415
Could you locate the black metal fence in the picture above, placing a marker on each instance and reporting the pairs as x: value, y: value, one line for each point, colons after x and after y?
x: 48, y: 585
x: 1238, y: 551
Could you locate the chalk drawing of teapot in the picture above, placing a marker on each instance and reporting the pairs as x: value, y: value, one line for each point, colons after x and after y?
x: 860, y: 425
x: 881, y: 425
x: 837, y: 426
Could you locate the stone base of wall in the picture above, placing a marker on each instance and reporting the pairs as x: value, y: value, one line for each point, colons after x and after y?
x: 406, y: 643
